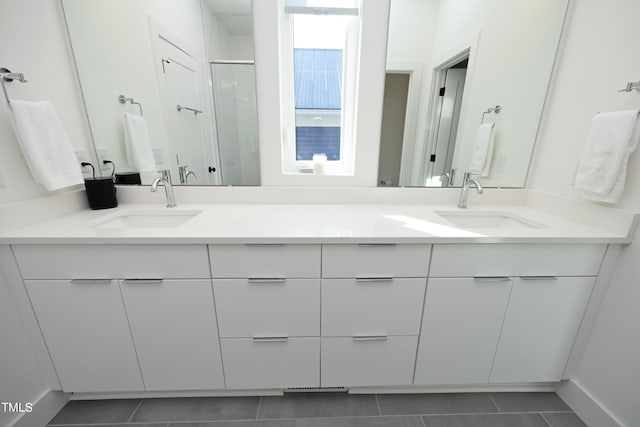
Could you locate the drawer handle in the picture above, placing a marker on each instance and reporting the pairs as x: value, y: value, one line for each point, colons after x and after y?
x: 374, y: 279
x: 91, y: 281
x: 370, y: 338
x: 375, y: 245
x: 258, y: 245
x: 142, y: 281
x: 492, y: 278
x: 267, y: 280
x: 538, y: 278
x: 270, y: 339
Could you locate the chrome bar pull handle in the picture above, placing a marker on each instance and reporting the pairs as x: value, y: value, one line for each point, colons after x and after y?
x: 267, y: 280
x: 142, y: 281
x: 492, y: 278
x: 370, y: 338
x: 270, y: 339
x: 374, y: 279
x: 91, y: 281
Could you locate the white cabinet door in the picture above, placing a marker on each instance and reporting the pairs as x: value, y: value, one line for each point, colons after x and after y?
x: 368, y: 361
x: 173, y: 323
x: 460, y: 329
x: 539, y: 328
x: 268, y: 307
x: 371, y: 306
x: 276, y: 362
x: 85, y: 328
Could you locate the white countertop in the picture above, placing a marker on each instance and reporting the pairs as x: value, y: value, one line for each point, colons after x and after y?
x: 310, y: 223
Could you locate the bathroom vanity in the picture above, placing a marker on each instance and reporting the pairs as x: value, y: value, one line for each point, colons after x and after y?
x: 277, y: 297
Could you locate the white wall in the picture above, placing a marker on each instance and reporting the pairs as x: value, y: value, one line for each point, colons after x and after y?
x: 33, y: 42
x: 511, y: 67
x: 598, y: 58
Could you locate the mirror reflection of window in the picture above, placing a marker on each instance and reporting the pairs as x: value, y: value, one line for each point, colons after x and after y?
x: 323, y: 55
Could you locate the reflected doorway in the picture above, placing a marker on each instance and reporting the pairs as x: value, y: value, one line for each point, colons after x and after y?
x: 394, y: 112
x: 449, y: 105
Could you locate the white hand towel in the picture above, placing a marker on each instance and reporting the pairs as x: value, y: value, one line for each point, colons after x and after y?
x: 138, y: 144
x: 483, y: 150
x: 602, y: 169
x: 45, y: 145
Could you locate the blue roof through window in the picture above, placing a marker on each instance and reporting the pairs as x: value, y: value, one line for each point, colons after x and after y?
x: 318, y: 78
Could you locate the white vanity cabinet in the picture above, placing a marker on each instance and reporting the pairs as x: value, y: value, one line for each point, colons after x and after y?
x: 125, y: 317
x: 268, y: 300
x: 460, y: 329
x: 540, y: 327
x: 86, y: 331
x: 503, y: 313
x: 372, y: 298
x: 173, y: 324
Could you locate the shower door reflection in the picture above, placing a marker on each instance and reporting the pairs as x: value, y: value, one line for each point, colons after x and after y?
x: 234, y: 97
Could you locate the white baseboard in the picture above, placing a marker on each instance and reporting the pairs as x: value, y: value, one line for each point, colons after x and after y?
x: 45, y: 407
x: 585, y: 405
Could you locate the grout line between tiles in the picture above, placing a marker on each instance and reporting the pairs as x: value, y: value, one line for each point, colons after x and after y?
x: 134, y: 411
x: 545, y: 420
x: 494, y: 402
x: 258, y: 409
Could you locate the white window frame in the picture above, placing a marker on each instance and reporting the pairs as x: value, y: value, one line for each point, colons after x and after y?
x: 350, y: 68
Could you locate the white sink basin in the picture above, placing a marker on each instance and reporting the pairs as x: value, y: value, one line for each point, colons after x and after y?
x: 148, y: 219
x: 487, y: 219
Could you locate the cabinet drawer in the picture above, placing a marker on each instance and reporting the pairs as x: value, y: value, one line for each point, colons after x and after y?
x: 276, y: 363
x: 342, y: 261
x: 372, y: 306
x: 372, y: 361
x: 281, y: 307
x: 449, y: 260
x: 265, y: 261
x: 112, y: 261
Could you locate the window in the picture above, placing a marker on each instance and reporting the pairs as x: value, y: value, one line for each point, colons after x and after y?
x: 319, y: 66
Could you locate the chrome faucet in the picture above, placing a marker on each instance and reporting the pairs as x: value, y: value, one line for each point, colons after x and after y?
x: 466, y: 183
x: 165, y: 180
x: 184, y: 173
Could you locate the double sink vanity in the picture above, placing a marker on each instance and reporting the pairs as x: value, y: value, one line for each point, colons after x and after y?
x: 285, y: 296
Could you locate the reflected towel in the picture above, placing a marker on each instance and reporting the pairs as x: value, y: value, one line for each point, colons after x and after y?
x: 483, y: 150
x: 602, y: 169
x: 138, y: 144
x: 45, y: 145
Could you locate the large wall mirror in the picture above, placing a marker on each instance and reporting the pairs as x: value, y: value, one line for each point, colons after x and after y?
x: 465, y: 88
x: 170, y: 84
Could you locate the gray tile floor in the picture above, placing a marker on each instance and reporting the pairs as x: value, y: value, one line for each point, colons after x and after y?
x: 326, y: 409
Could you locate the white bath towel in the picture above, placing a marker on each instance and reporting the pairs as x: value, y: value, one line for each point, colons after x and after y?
x: 483, y: 150
x: 45, y: 145
x: 138, y: 144
x: 602, y: 169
